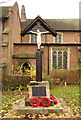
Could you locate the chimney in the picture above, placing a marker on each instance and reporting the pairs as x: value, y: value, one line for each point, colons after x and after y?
x: 23, y: 14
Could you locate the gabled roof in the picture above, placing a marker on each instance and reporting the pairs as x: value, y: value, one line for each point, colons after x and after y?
x: 43, y: 23
x: 58, y: 24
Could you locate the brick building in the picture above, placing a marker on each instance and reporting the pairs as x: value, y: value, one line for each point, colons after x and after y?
x: 60, y: 52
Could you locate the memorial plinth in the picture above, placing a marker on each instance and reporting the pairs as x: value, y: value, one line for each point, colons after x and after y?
x: 39, y: 89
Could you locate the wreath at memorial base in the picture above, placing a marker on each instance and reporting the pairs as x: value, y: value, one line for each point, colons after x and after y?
x: 35, y: 102
x: 54, y: 99
x: 45, y: 102
x: 27, y: 96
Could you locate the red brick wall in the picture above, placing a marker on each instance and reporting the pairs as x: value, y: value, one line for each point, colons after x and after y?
x: 25, y: 49
x: 18, y: 63
x: 70, y: 37
x: 13, y: 24
x: 32, y: 49
x: 25, y: 39
x: 73, y: 57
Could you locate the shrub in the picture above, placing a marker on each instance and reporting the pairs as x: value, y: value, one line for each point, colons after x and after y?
x: 15, y: 82
x: 59, y: 76
x: 72, y: 77
x: 50, y: 80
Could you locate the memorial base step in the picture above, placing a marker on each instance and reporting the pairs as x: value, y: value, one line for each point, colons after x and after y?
x: 22, y: 109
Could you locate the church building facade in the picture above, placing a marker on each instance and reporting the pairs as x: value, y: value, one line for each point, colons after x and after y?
x: 19, y: 49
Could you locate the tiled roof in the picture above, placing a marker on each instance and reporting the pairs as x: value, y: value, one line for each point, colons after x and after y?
x: 43, y: 26
x: 57, y: 24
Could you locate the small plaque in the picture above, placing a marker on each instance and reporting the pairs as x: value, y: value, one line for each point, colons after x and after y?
x: 39, y: 91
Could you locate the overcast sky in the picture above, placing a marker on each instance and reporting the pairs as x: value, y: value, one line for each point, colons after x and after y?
x: 57, y: 9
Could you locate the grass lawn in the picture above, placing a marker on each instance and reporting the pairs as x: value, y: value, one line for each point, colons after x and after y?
x: 70, y: 94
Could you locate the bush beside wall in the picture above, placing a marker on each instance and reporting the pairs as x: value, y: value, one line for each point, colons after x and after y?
x: 56, y: 77
x: 13, y: 82
x: 60, y: 76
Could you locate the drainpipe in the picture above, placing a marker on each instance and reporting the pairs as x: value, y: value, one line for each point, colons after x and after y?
x: 48, y: 59
x: 21, y: 36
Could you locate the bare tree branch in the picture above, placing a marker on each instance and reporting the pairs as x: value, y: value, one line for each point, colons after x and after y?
x: 5, y: 1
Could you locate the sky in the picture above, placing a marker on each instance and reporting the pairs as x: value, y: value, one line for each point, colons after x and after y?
x: 47, y: 9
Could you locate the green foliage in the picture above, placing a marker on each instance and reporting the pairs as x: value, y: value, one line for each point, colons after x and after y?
x: 6, y: 87
x: 71, y: 77
x: 30, y: 72
x: 15, y: 82
x: 70, y: 95
x: 50, y: 80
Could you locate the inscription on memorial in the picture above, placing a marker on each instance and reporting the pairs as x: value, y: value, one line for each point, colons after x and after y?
x: 39, y: 91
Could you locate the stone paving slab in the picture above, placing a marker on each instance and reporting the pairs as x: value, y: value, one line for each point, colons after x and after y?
x: 65, y: 109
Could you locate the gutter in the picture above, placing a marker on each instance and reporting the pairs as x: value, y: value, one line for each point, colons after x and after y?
x: 65, y: 44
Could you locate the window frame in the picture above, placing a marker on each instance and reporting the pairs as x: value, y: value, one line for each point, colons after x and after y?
x: 68, y: 57
x: 59, y: 33
x: 30, y: 35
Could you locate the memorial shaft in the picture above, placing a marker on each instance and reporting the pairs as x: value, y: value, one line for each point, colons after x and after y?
x: 39, y: 66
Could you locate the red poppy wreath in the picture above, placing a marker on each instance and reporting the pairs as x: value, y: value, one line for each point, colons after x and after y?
x: 43, y: 100
x: 33, y: 100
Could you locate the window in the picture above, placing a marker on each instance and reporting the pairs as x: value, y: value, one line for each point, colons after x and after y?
x: 45, y: 38
x: 33, y: 38
x: 58, y: 38
x: 25, y: 67
x: 80, y: 38
x: 59, y: 58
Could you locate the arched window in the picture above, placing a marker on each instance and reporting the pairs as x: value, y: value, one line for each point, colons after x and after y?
x: 25, y: 67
